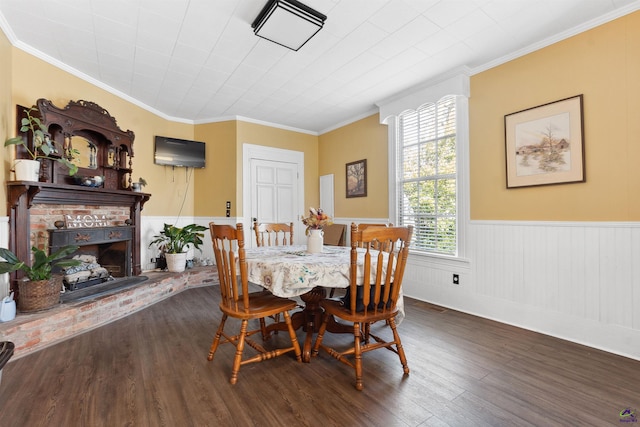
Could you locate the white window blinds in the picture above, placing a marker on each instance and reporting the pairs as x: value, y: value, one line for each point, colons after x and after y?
x: 426, y: 165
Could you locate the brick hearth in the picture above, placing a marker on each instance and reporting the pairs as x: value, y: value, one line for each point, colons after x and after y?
x: 33, y: 331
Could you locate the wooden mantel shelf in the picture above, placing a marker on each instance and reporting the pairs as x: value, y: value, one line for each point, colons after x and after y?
x: 60, y: 194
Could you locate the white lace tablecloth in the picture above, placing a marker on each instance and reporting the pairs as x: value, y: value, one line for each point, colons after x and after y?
x: 289, y: 271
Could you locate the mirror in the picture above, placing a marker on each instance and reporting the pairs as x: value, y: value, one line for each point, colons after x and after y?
x: 111, y: 156
x: 88, y: 157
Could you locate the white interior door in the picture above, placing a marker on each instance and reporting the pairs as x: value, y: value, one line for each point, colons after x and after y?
x: 274, y: 186
x: 273, y: 191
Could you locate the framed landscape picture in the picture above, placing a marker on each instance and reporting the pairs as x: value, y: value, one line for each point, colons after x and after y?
x: 356, y: 177
x: 545, y: 144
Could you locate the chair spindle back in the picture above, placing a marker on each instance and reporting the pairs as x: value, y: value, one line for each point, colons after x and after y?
x: 226, y: 240
x: 379, y: 287
x: 273, y: 234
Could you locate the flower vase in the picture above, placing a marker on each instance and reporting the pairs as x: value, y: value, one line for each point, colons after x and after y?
x: 315, y: 241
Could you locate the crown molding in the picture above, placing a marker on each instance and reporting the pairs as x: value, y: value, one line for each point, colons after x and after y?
x: 618, y: 13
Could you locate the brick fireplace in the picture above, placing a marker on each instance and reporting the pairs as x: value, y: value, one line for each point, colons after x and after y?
x: 43, y: 213
x: 109, y: 240
x: 36, y: 207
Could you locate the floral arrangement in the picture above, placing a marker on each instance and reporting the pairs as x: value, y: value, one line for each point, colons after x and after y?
x: 317, y: 220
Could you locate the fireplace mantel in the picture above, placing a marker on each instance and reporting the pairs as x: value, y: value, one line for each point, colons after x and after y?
x: 22, y: 195
x: 62, y: 194
x: 103, y: 149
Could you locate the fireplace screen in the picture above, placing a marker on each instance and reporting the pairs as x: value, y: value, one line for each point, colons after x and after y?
x: 105, y: 253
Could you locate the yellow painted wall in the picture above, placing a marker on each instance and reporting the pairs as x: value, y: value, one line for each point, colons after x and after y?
x: 216, y: 183
x: 256, y: 134
x: 364, y: 139
x: 33, y: 79
x: 603, y: 64
x: 7, y: 117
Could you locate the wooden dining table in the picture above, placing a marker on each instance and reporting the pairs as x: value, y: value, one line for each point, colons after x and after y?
x: 290, y: 271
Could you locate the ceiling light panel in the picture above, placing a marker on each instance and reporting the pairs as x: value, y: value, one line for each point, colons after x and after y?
x: 288, y: 23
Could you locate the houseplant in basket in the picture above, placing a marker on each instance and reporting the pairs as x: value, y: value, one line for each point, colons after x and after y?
x: 43, y: 148
x: 173, y: 242
x: 39, y: 290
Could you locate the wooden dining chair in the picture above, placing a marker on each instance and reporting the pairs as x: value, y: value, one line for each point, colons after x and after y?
x: 237, y: 302
x: 273, y: 234
x: 335, y: 234
x: 364, y: 226
x: 372, y: 299
x: 375, y: 245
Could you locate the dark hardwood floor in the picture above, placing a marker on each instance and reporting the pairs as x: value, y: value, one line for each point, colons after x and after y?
x: 151, y: 369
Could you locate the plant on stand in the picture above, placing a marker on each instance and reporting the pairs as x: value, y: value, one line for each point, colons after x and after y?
x: 43, y: 148
x: 39, y: 290
x: 174, y: 241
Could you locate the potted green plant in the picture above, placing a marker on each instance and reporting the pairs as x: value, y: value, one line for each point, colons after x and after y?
x: 173, y: 242
x: 39, y: 290
x: 43, y: 148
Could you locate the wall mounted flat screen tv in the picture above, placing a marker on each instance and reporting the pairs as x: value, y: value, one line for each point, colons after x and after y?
x: 179, y: 152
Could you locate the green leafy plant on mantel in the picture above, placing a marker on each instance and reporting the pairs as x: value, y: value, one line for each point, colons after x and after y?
x: 42, y: 146
x: 174, y: 240
x: 42, y: 263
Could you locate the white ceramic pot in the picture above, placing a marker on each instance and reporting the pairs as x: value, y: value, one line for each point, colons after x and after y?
x: 315, y: 240
x: 176, y: 263
x: 26, y: 170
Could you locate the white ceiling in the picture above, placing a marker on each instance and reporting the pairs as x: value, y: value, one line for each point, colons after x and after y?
x: 198, y: 61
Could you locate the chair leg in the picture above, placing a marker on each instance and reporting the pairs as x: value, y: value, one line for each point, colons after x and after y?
x: 366, y: 332
x: 292, y: 335
x: 396, y: 338
x: 276, y: 319
x: 321, y: 330
x: 216, y: 339
x: 237, y: 360
x: 357, y: 355
x: 263, y: 329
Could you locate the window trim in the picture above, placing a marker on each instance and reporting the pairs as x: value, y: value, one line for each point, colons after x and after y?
x: 390, y: 109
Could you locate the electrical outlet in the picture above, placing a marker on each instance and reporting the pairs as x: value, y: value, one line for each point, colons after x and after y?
x: 456, y: 279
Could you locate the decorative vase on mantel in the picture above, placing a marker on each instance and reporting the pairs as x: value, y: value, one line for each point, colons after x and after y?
x: 315, y: 240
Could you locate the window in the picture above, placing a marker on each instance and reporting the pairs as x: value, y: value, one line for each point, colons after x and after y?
x: 429, y: 163
x: 427, y: 175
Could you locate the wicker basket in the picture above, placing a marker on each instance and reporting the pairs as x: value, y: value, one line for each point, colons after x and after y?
x: 38, y: 295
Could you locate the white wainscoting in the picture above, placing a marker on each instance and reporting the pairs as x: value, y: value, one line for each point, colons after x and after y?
x: 574, y: 280
x: 152, y: 225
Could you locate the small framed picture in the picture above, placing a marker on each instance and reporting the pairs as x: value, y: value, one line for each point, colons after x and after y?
x: 545, y: 144
x: 357, y: 179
